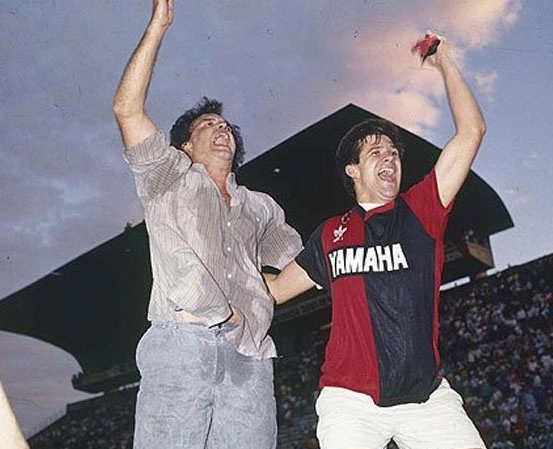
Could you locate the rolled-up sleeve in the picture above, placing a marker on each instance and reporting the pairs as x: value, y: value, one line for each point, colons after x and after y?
x: 280, y: 242
x: 155, y: 165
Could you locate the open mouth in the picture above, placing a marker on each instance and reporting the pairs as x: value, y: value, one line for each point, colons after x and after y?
x: 221, y: 139
x: 386, y: 174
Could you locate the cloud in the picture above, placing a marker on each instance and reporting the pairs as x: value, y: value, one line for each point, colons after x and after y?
x: 387, y: 80
x: 535, y: 160
x: 473, y: 23
x: 486, y: 82
x: 522, y: 196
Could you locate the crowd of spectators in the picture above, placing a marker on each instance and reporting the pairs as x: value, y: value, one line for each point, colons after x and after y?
x: 497, y: 348
x: 497, y: 338
x: 103, y: 423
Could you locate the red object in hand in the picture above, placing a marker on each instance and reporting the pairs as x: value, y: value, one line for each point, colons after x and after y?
x: 426, y: 46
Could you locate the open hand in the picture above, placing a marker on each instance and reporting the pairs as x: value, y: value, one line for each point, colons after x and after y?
x: 236, y: 318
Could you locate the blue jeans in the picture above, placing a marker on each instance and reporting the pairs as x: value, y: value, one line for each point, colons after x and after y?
x: 198, y: 392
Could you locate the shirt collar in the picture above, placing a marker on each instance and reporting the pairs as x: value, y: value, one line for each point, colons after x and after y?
x: 377, y: 210
x: 231, y: 178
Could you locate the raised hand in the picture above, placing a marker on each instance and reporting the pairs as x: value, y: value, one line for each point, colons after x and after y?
x: 434, y: 50
x: 442, y: 56
x: 162, y: 13
x: 426, y: 46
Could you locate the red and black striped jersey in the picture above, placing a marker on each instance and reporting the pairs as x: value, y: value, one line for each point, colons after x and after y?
x: 383, y: 270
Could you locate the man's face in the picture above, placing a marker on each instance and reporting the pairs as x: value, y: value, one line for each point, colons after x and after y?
x: 211, y: 141
x: 377, y: 176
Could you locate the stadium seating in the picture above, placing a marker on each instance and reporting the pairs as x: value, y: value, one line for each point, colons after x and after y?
x: 497, y: 346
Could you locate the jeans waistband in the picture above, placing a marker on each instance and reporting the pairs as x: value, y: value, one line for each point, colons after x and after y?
x: 198, y: 328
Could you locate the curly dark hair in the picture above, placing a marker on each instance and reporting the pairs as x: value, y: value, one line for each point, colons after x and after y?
x: 180, y: 131
x: 350, y: 145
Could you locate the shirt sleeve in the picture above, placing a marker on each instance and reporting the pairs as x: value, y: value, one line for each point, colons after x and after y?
x: 280, y: 242
x: 423, y: 199
x: 155, y: 165
x: 312, y: 259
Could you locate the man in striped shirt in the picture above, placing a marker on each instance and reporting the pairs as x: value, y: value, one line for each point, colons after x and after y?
x: 205, y: 362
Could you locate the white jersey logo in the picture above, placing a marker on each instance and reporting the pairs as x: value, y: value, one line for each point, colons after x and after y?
x: 339, y: 233
x: 366, y: 260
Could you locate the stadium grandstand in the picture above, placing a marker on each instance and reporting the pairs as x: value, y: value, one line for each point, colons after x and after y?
x: 483, y: 321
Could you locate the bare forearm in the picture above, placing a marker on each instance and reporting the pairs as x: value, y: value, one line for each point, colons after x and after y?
x: 291, y: 282
x: 466, y: 113
x: 130, y: 96
x: 458, y: 155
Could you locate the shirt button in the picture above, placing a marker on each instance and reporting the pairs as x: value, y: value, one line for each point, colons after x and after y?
x: 228, y: 224
x: 229, y: 276
x: 228, y: 249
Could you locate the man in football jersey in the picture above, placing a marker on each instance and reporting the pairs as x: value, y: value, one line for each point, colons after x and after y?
x: 382, y: 262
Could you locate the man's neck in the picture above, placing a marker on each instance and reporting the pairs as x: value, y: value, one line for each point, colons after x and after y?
x: 219, y: 175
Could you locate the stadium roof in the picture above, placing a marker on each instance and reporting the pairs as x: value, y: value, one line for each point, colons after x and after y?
x: 300, y: 174
x: 95, y: 306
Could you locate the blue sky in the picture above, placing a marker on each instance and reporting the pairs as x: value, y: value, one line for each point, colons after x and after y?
x: 279, y: 66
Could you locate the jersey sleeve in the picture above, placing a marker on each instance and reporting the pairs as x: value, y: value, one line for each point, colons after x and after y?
x: 312, y: 259
x: 423, y: 199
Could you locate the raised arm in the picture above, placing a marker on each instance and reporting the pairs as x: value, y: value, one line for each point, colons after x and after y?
x: 289, y: 283
x: 455, y: 161
x: 130, y: 97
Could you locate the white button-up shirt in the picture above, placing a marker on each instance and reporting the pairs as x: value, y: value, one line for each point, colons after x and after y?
x: 205, y: 256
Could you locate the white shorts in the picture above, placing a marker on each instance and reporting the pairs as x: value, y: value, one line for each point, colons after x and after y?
x: 351, y: 420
